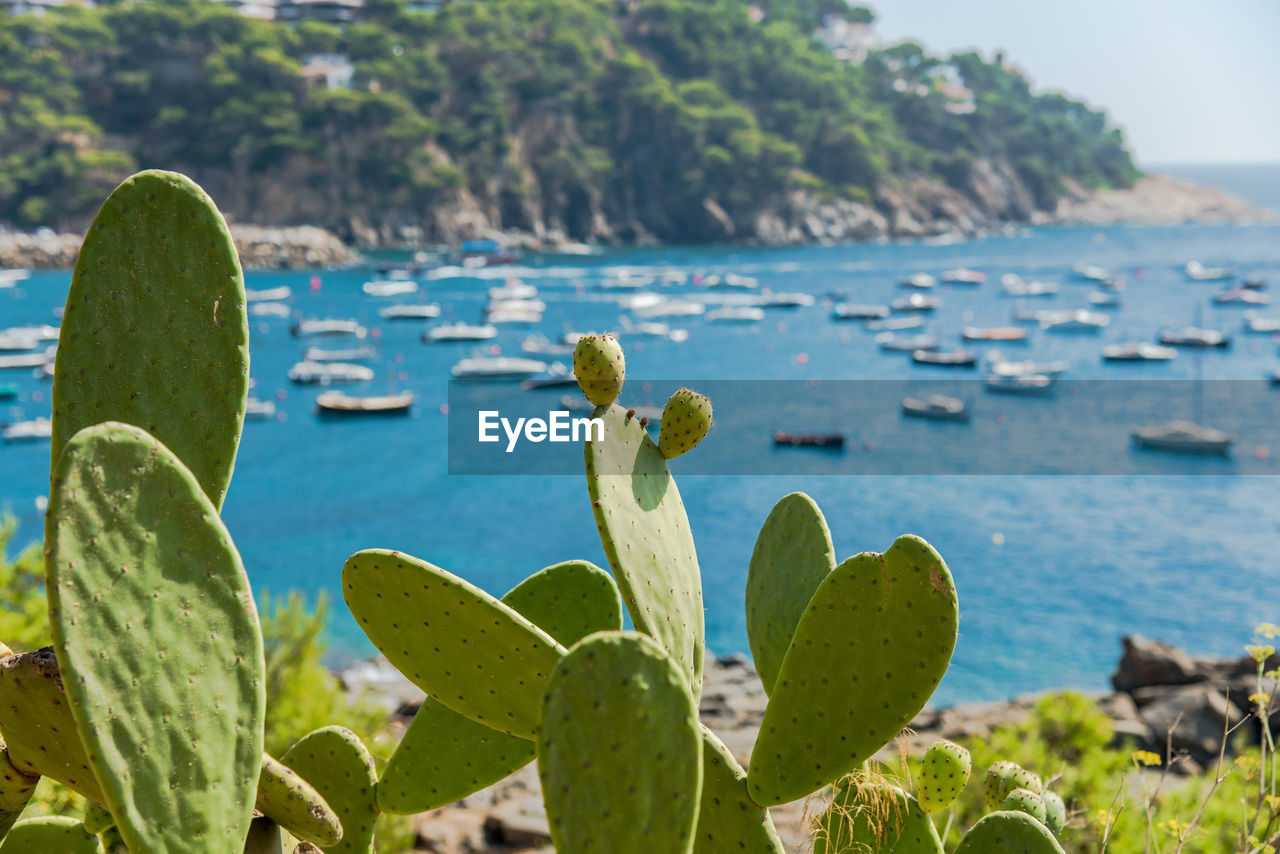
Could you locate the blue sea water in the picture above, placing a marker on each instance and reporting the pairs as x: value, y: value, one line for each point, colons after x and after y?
x: 1051, y: 570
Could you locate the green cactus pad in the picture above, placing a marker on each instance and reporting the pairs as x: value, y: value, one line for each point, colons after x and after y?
x: 155, y: 331
x: 290, y: 801
x: 727, y: 818
x: 646, y: 537
x: 459, y: 644
x: 265, y: 837
x: 874, y: 817
x: 619, y: 752
x: 151, y: 610
x: 868, y: 652
x: 792, y: 555
x: 96, y: 819
x: 600, y: 368
x: 1008, y: 833
x: 444, y: 756
x: 50, y: 835
x: 686, y: 420
x: 1005, y: 776
x: 337, y: 764
x: 1055, y: 812
x: 944, y: 771
x: 1027, y: 801
x: 36, y: 720
x: 16, y: 790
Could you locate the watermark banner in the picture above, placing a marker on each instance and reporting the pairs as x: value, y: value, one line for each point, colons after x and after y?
x: 991, y: 426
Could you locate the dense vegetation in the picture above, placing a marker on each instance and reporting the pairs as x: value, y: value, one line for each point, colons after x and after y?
x: 637, y: 114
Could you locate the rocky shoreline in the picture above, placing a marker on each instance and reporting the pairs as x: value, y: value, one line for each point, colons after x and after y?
x: 1162, y: 695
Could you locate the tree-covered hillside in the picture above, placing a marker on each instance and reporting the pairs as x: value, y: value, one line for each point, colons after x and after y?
x: 604, y: 119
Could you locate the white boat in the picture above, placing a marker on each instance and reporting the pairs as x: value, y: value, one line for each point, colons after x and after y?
x: 735, y: 314
x: 1254, y: 322
x: 259, y: 410
x: 625, y: 280
x: 936, y: 407
x: 1079, y: 320
x: 895, y: 324
x: 513, y: 289
x: 268, y: 294
x: 1015, y: 286
x: 1103, y: 299
x: 27, y: 431
x: 328, y: 327
x: 513, y: 318
x: 556, y: 375
x: 853, y: 311
x: 39, y: 332
x: 337, y: 403
x: 1191, y: 336
x: 1241, y: 296
x: 516, y: 306
x: 1025, y: 384
x: 11, y: 277
x: 13, y: 342
x: 28, y: 360
x: 643, y: 299
x: 410, y: 312
x: 1091, y: 272
x: 892, y: 342
x: 732, y: 280
x: 772, y: 299
x: 958, y: 358
x: 349, y: 354
x: 915, y: 302
x: 963, y: 276
x: 1183, y: 437
x: 671, y: 308
x: 390, y: 288
x: 497, y: 368
x: 997, y: 365
x: 995, y: 334
x: 1138, y: 351
x: 1200, y: 273
x: 650, y: 328
x: 270, y: 309
x: 540, y: 345
x: 919, y: 281
x: 459, y: 332
x: 328, y: 373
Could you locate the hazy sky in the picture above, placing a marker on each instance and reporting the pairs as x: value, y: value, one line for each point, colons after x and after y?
x: 1190, y: 81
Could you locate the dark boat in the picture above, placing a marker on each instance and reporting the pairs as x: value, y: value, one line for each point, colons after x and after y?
x: 809, y: 440
x: 953, y: 359
x: 1191, y: 336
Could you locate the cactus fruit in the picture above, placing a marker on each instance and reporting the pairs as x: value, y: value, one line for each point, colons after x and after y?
x: 452, y: 639
x: 152, y: 613
x: 619, y: 752
x: 872, y: 645
x: 686, y: 420
x: 1005, y: 776
x: 876, y: 817
x: 792, y: 555
x: 600, y: 368
x: 1027, y: 801
x: 16, y: 790
x: 646, y: 537
x: 50, y: 835
x: 1008, y: 833
x: 944, y: 771
x: 1055, y: 812
x: 334, y: 761
x: 155, y: 331
x: 444, y: 756
x: 727, y: 819
x: 291, y: 802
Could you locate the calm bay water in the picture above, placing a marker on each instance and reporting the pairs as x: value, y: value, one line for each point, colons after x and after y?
x: 1187, y: 558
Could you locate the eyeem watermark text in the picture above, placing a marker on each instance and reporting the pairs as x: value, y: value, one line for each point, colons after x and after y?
x: 558, y: 427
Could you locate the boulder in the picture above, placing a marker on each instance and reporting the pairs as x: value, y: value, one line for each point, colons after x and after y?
x: 1197, y: 715
x: 1151, y: 662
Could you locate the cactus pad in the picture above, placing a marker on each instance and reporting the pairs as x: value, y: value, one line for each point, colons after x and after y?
x: 872, y: 645
x: 792, y: 555
x: 1008, y: 833
x: 1055, y: 812
x: 727, y: 818
x: 943, y: 773
x: 265, y: 837
x: 646, y: 537
x: 16, y: 790
x: 96, y: 819
x: 152, y: 613
x: 686, y: 420
x: 338, y: 765
x: 459, y: 644
x: 600, y: 368
x: 155, y: 331
x: 1027, y: 801
x: 444, y: 756
x: 1005, y: 776
x: 50, y: 835
x: 619, y: 752
x: 290, y: 801
x: 874, y: 817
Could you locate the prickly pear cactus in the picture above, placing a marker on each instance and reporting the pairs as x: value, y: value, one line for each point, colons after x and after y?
x: 96, y: 819
x: 1008, y: 833
x: 1027, y: 801
x: 291, y: 802
x: 337, y: 764
x: 686, y: 420
x: 266, y: 837
x: 16, y: 790
x: 866, y: 817
x: 1055, y: 812
x: 155, y: 331
x: 451, y: 639
x: 600, y: 368
x: 619, y: 752
x: 792, y: 555
x: 646, y: 537
x: 1005, y: 776
x: 944, y: 771
x: 444, y: 756
x: 728, y: 820
x: 871, y: 647
x: 50, y: 835
x: 152, y: 613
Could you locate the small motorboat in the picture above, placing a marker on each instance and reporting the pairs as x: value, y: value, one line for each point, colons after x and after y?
x: 1015, y: 286
x: 1199, y: 273
x: 1183, y: 437
x: 40, y: 332
x: 997, y: 365
x: 12, y: 341
x: 270, y: 309
x: 329, y: 373
x: 731, y: 280
x: 459, y: 332
x: 999, y: 334
x: 1191, y: 336
x: 1024, y: 384
x: 512, y: 316
x: 1079, y: 320
x: 259, y: 410
x: 11, y: 276
x: 892, y: 342
x: 35, y: 430
x: 809, y: 440
x: 480, y: 368
x: 268, y: 294
x: 771, y: 299
x: 936, y: 407
x: 1254, y: 281
x: 513, y: 289
x: 1241, y: 296
x: 916, y: 303
x: 410, y: 312
x: 734, y: 314
x: 853, y: 311
x: 390, y: 288
x: 1253, y: 322
x: 1137, y: 351
x: 28, y: 360
x: 540, y: 345
x: 896, y: 324
x: 919, y: 281
x: 304, y: 328
x: 336, y: 403
x: 1022, y: 314
x: 351, y: 354
x: 556, y: 375
x: 1103, y: 299
x: 1091, y: 272
x: 959, y: 358
x: 962, y: 276
x: 671, y: 308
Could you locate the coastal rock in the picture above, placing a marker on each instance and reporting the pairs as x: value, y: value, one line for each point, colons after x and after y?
x: 1196, y: 717
x: 1159, y: 200
x: 1149, y: 662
